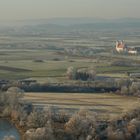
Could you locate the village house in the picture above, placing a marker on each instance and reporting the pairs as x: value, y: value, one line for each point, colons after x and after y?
x: 122, y: 47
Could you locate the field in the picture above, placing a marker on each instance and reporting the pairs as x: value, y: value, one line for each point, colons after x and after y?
x: 19, y: 64
x: 107, y: 105
x: 19, y: 55
x: 44, y: 53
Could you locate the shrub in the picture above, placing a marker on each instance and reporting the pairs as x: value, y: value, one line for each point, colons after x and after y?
x: 81, y: 124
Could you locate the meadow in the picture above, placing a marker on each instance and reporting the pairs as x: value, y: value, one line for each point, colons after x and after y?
x: 105, y: 105
x: 23, y: 63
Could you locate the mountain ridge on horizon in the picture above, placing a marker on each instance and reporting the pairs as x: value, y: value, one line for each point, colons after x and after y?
x: 67, y: 25
x: 68, y: 21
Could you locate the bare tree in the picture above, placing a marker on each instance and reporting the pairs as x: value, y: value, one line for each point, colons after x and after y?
x: 13, y: 96
x: 70, y: 72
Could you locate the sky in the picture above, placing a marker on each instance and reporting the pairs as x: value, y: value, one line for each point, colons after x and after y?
x: 43, y: 9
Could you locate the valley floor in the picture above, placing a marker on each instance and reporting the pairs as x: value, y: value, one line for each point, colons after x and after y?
x: 104, y: 104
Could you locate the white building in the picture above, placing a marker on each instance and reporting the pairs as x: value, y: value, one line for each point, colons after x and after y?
x: 132, y: 51
x: 120, y: 46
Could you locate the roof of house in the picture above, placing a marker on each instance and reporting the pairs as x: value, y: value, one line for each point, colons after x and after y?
x: 120, y: 46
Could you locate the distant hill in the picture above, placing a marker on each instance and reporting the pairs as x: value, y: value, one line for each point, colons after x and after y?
x: 61, y: 25
x: 70, y: 21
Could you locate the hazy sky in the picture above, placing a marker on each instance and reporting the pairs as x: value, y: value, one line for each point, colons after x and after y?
x: 38, y: 9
